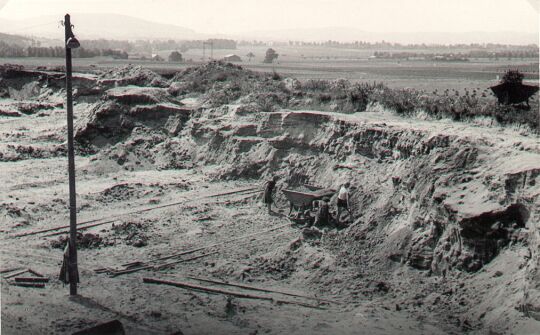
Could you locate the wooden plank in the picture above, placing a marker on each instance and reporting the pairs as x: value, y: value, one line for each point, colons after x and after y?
x: 187, y: 252
x: 10, y: 270
x: 161, y: 266
x: 213, y: 281
x: 35, y: 273
x: 32, y: 279
x: 36, y: 285
x: 80, y: 228
x: 16, y: 273
x: 123, y: 272
x: 225, y: 292
x: 158, y: 267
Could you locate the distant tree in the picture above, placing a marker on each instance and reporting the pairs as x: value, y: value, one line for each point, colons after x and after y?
x: 120, y: 55
x: 175, y: 56
x: 270, y: 56
x: 250, y: 55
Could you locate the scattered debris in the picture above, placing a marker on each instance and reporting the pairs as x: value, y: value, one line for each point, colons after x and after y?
x: 133, y: 232
x: 84, y: 241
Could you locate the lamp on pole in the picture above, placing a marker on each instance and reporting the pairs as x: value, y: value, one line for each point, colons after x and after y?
x: 73, y: 272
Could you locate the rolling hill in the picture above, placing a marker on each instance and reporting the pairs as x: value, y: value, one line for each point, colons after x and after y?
x: 95, y: 26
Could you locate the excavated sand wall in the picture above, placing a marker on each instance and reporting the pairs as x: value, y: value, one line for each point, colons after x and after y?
x: 446, y: 190
x: 433, y: 200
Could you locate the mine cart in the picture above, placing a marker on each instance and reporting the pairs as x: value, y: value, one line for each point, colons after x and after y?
x: 514, y: 93
x: 302, y: 201
x: 511, y: 89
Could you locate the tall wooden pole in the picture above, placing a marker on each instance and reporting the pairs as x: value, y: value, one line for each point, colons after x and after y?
x: 72, y: 264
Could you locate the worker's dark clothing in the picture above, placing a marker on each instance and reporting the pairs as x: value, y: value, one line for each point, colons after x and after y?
x: 269, y: 188
x: 64, y: 270
x: 342, y: 203
x: 323, y: 214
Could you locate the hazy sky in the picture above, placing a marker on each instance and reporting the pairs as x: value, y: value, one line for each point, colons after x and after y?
x: 233, y: 16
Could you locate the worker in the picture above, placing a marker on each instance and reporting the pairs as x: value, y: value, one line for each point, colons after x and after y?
x: 268, y: 189
x: 343, y: 200
x: 323, y: 213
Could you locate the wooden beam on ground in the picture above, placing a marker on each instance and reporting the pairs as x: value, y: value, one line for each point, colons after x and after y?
x: 35, y: 273
x: 80, y: 228
x: 219, y: 282
x: 162, y: 266
x: 10, y: 270
x: 219, y: 291
x: 183, y: 253
x: 31, y: 279
x: 158, y: 267
x: 236, y: 191
x: 16, y: 273
x: 36, y: 285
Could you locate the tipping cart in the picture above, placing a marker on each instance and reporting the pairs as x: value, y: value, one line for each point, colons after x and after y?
x: 302, y: 201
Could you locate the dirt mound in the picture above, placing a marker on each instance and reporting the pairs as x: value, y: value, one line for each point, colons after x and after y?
x: 84, y: 241
x: 124, y: 109
x: 202, y: 78
x: 118, y: 193
x: 131, y: 75
x: 13, y: 153
x: 224, y: 83
x: 133, y: 233
x: 8, y: 71
x: 14, y: 214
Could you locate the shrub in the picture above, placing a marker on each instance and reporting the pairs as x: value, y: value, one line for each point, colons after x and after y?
x: 512, y: 77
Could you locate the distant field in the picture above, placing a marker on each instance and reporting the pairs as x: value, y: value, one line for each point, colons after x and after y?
x: 329, y: 63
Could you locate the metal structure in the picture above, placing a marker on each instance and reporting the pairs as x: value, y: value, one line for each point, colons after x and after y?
x: 73, y: 272
x: 304, y: 200
x: 513, y: 93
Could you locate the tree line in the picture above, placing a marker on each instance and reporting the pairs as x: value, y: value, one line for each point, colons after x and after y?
x: 478, y: 48
x: 10, y: 50
x: 114, y: 48
x: 459, y: 56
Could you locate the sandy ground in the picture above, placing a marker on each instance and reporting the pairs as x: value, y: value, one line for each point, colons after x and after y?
x: 388, y: 273
x: 37, y: 190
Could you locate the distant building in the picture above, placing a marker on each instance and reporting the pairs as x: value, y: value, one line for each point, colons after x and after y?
x: 232, y: 58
